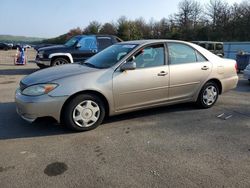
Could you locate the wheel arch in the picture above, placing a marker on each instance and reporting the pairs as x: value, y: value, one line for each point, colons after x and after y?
x: 217, y: 82
x: 67, y: 56
x: 96, y: 93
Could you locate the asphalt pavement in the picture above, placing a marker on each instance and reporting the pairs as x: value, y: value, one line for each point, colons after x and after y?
x: 174, y: 146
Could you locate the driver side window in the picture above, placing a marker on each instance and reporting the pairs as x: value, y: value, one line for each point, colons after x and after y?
x: 88, y: 43
x: 150, y: 56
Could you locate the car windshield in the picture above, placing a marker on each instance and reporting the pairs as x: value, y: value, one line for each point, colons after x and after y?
x: 72, y: 41
x: 110, y: 56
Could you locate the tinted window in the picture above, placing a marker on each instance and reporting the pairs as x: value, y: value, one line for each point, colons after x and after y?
x: 104, y: 42
x: 181, y: 53
x: 200, y: 58
x: 150, y: 56
x: 110, y: 56
x: 219, y: 47
x: 88, y: 43
x: 203, y: 45
x: 72, y: 41
x: 210, y: 46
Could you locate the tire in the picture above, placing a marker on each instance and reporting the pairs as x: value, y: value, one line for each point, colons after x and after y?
x: 59, y: 61
x: 83, y: 113
x: 205, y: 99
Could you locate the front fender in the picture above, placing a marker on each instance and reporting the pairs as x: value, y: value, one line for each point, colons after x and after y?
x: 62, y: 54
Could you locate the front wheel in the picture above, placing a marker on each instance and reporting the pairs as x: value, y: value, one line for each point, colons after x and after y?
x: 59, y: 61
x: 208, y: 95
x: 84, y: 112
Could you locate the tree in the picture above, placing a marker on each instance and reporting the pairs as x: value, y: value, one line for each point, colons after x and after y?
x: 73, y: 32
x: 108, y: 29
x: 188, y: 15
x: 92, y: 28
x: 123, y: 28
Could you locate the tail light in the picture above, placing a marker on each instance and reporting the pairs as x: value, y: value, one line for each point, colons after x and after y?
x: 236, y: 67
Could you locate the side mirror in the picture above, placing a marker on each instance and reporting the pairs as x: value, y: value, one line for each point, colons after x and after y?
x: 78, y: 45
x: 131, y: 65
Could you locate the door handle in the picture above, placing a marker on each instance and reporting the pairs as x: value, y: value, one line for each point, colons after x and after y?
x: 162, y: 73
x: 204, y: 68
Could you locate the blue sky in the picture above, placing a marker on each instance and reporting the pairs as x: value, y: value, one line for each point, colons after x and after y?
x: 50, y: 18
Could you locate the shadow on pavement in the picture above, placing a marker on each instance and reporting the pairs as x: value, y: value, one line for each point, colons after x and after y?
x: 17, y: 71
x: 12, y: 126
x: 151, y: 111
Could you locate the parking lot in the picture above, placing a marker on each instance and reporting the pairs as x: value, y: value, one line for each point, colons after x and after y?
x: 174, y: 146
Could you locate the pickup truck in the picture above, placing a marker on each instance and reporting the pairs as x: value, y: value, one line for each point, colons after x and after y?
x: 76, y: 49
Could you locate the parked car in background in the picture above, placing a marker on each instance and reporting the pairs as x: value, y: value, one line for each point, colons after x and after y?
x: 26, y: 46
x: 38, y: 46
x: 242, y: 59
x: 125, y: 77
x: 4, y: 46
x: 247, y: 73
x: 214, y: 47
x: 78, y: 48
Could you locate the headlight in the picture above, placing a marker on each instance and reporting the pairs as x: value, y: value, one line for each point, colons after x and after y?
x: 39, y: 89
x: 40, y: 54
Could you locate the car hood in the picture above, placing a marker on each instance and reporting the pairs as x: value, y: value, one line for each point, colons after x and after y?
x: 55, y: 73
x: 54, y: 47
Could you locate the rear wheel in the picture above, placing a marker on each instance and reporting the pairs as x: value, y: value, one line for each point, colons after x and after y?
x: 59, y: 61
x: 208, y: 95
x: 84, y: 112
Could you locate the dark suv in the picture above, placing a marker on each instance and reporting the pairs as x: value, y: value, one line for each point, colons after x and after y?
x: 77, y: 49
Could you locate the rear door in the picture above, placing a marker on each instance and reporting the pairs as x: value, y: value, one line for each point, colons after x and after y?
x: 188, y: 70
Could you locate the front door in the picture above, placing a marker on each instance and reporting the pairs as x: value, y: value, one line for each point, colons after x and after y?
x: 84, y: 49
x: 147, y: 84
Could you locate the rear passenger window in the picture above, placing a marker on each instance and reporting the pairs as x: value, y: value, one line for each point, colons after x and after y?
x: 104, y: 42
x: 219, y: 47
x: 200, y: 58
x: 210, y: 46
x: 181, y: 53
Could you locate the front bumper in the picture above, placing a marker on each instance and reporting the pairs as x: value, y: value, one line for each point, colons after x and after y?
x: 246, y: 74
x: 45, y: 62
x: 30, y: 108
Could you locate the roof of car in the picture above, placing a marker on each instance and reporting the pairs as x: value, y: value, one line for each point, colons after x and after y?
x: 140, y: 42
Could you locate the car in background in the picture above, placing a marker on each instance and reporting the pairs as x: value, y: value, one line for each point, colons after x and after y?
x: 4, y: 46
x: 125, y: 77
x: 26, y: 46
x: 214, y: 47
x: 38, y: 46
x: 78, y: 48
x: 247, y: 72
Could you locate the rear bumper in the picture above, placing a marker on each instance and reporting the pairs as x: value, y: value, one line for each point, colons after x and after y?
x: 229, y: 83
x: 30, y: 108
